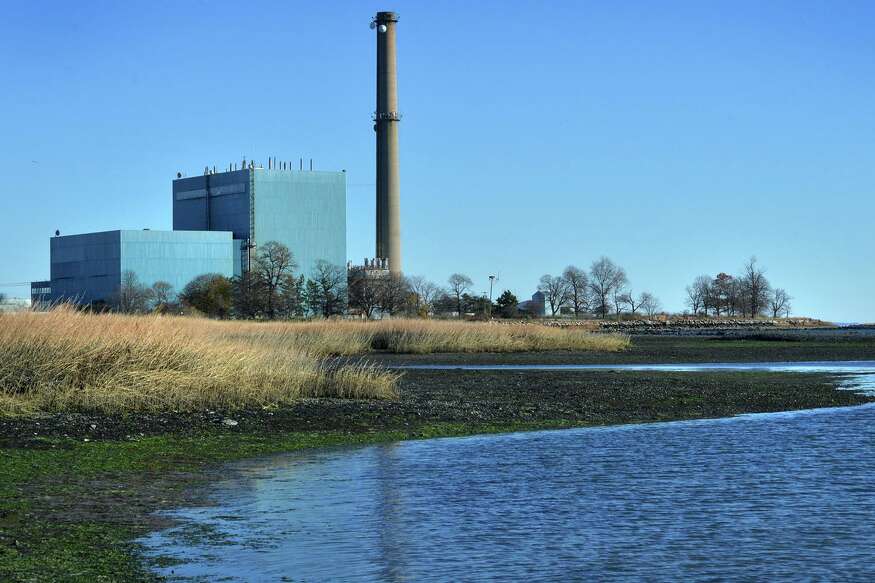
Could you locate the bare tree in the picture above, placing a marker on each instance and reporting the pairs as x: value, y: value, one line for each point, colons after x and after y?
x: 273, y: 263
x: 698, y: 294
x: 162, y: 294
x: 393, y: 293
x: 578, y: 289
x: 556, y: 292
x: 628, y: 298
x: 755, y: 288
x: 604, y: 278
x: 132, y: 296
x: 459, y: 285
x: 425, y: 293
x: 364, y: 291
x: 650, y: 304
x: 779, y: 303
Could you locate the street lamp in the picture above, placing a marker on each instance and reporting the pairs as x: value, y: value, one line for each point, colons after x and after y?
x: 492, y: 279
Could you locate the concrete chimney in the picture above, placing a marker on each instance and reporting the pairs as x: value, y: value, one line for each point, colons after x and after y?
x: 386, y: 121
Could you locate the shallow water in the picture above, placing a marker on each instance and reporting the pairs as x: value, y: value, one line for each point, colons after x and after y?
x: 770, y: 496
x: 819, y: 366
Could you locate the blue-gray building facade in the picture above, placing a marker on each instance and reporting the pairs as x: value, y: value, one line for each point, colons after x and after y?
x: 303, y: 210
x: 88, y: 268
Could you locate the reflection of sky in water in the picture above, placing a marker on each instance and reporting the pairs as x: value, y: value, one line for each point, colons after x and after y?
x: 761, y: 496
x: 844, y: 366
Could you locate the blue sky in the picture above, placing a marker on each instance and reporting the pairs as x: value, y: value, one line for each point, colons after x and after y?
x: 677, y: 138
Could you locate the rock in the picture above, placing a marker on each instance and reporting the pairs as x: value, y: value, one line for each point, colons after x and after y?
x: 229, y: 423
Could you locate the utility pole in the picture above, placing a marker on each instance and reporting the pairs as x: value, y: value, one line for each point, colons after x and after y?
x: 492, y: 279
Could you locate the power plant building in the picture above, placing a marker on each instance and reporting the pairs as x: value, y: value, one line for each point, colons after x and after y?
x: 219, y: 219
x: 305, y: 211
x: 89, y: 267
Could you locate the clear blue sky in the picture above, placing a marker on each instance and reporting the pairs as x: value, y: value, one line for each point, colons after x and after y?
x: 678, y: 138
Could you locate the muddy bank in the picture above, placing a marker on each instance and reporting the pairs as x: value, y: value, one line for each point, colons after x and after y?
x: 470, y: 397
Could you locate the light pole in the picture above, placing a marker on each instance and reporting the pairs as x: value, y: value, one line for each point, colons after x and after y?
x: 492, y: 279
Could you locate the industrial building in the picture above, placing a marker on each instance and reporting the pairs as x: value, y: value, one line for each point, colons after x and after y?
x: 303, y: 210
x: 219, y: 219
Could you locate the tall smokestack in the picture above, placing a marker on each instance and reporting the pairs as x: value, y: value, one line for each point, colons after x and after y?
x: 386, y: 125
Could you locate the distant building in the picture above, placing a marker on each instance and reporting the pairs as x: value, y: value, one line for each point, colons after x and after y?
x: 40, y: 293
x: 535, y: 306
x: 305, y: 211
x: 88, y: 268
x: 14, y: 304
x: 219, y: 219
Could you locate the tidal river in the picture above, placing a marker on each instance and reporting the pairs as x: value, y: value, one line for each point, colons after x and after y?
x: 778, y: 496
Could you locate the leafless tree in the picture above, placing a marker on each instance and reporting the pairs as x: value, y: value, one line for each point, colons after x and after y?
x: 604, y: 279
x: 425, y: 293
x: 273, y: 263
x: 628, y: 299
x: 132, y: 296
x: 755, y: 288
x: 393, y: 293
x: 364, y: 291
x: 459, y: 286
x: 650, y: 304
x: 578, y: 289
x: 556, y: 292
x: 779, y: 303
x: 162, y: 294
x: 698, y: 293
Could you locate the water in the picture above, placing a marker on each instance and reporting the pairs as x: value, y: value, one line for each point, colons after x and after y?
x: 783, y: 496
x: 819, y: 366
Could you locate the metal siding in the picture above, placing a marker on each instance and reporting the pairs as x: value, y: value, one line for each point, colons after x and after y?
x: 306, y: 211
x: 229, y: 203
x: 176, y: 257
x: 85, y: 268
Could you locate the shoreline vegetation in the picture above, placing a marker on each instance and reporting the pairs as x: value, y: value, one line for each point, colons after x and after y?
x: 64, y: 360
x: 80, y: 478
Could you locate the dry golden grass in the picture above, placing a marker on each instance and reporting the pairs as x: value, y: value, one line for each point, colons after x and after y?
x: 350, y: 338
x: 67, y: 360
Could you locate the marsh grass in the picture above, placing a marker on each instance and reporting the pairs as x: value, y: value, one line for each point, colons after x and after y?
x: 65, y: 360
x: 351, y: 338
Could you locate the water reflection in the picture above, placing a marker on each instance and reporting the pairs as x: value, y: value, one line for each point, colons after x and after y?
x: 771, y: 496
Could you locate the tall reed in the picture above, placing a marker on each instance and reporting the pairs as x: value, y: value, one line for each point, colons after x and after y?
x: 67, y: 360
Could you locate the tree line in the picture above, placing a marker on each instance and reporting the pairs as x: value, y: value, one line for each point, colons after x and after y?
x: 602, y: 291
x: 747, y: 294
x: 272, y: 289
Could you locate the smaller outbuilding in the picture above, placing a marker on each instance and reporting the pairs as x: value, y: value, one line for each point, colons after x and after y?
x: 89, y: 267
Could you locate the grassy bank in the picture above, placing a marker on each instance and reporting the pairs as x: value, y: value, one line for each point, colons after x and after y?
x: 65, y: 360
